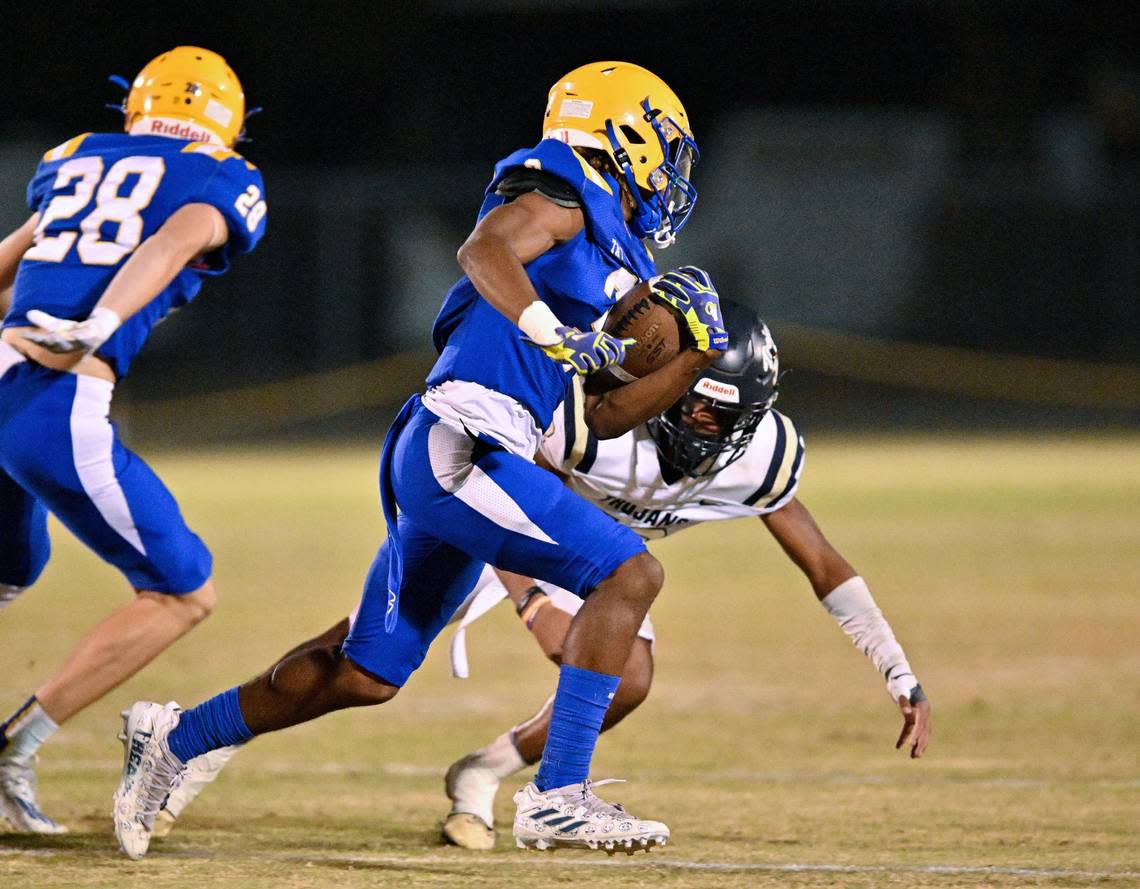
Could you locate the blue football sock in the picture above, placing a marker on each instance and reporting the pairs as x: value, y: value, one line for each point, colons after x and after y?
x: 580, y: 705
x: 212, y: 724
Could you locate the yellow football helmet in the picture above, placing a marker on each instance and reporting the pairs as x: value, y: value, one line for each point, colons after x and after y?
x: 637, y: 120
x: 189, y: 92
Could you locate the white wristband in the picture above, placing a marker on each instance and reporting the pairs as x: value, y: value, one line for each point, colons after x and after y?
x: 540, y: 324
x: 103, y: 322
x: 854, y: 609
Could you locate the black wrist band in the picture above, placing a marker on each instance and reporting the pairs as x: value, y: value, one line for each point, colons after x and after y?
x: 917, y: 695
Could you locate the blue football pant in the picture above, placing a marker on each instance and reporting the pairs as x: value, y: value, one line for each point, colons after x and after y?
x: 59, y: 452
x: 464, y: 503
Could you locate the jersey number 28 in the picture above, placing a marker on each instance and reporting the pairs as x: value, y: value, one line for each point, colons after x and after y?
x: 110, y: 207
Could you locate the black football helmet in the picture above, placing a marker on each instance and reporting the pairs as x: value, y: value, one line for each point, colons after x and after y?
x: 719, y: 414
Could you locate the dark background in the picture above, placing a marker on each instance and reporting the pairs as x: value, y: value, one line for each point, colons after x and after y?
x: 959, y: 174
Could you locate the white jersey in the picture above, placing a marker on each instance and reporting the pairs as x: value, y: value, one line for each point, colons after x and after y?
x: 623, y: 476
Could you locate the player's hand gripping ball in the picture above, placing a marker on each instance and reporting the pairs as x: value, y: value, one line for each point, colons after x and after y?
x: 585, y: 352
x: 658, y: 329
x: 689, y: 290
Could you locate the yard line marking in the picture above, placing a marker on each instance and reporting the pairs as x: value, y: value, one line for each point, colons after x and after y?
x: 728, y: 866
x: 419, y: 770
x: 496, y: 861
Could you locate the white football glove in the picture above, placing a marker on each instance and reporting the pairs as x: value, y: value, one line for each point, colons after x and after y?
x: 63, y: 336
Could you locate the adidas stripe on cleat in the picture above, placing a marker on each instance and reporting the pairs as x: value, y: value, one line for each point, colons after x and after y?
x: 573, y: 817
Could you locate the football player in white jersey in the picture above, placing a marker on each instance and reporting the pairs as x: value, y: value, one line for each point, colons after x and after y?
x: 720, y: 453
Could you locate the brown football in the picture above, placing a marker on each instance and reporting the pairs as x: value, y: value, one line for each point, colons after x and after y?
x: 654, y: 325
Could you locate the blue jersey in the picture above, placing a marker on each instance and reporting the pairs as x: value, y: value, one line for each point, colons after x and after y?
x: 579, y: 279
x: 101, y: 195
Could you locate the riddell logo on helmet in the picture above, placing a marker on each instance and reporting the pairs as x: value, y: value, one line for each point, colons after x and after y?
x: 719, y: 391
x: 180, y: 131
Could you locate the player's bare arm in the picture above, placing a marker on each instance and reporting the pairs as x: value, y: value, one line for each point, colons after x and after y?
x: 190, y: 232
x: 614, y: 413
x: 509, y: 237
x: 12, y: 250
x: 493, y: 258
x: 547, y: 625
x: 800, y: 537
x: 847, y: 598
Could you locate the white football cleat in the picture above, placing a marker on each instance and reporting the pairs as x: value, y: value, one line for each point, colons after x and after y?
x: 572, y: 817
x: 471, y: 786
x: 18, y: 800
x: 199, y: 772
x: 150, y: 773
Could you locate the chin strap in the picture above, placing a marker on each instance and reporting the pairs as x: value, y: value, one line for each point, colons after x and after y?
x: 664, y: 238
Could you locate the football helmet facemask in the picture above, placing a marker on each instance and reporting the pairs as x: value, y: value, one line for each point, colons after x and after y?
x: 637, y: 120
x: 188, y: 92
x: 713, y: 424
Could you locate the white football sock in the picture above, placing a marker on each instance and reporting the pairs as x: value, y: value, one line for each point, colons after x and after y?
x: 501, y: 757
x: 24, y: 731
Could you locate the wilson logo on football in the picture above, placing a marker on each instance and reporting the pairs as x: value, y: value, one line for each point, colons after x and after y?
x: 719, y: 391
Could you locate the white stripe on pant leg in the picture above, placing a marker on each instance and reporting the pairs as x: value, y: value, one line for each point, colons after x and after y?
x: 92, y: 440
x: 483, y: 495
x: 449, y: 452
x: 489, y: 592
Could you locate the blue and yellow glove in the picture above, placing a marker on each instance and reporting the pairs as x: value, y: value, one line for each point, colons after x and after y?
x: 690, y: 291
x: 585, y: 352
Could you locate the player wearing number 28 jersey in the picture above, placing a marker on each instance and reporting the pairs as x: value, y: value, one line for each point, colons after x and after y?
x: 123, y: 228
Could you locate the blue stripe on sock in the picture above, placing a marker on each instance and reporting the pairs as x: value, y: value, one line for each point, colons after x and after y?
x: 212, y: 724
x: 580, y: 705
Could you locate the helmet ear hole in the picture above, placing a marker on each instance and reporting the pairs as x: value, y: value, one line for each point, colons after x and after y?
x: 632, y: 135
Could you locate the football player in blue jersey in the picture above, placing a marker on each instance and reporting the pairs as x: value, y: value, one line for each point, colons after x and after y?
x: 123, y: 227
x: 559, y: 238
x: 721, y: 453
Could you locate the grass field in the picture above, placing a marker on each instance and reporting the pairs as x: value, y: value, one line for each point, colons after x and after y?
x: 1010, y: 569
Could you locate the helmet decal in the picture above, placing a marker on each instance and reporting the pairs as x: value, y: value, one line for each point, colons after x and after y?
x: 186, y: 90
x: 638, y: 121
x: 713, y: 424
x: 718, y: 390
